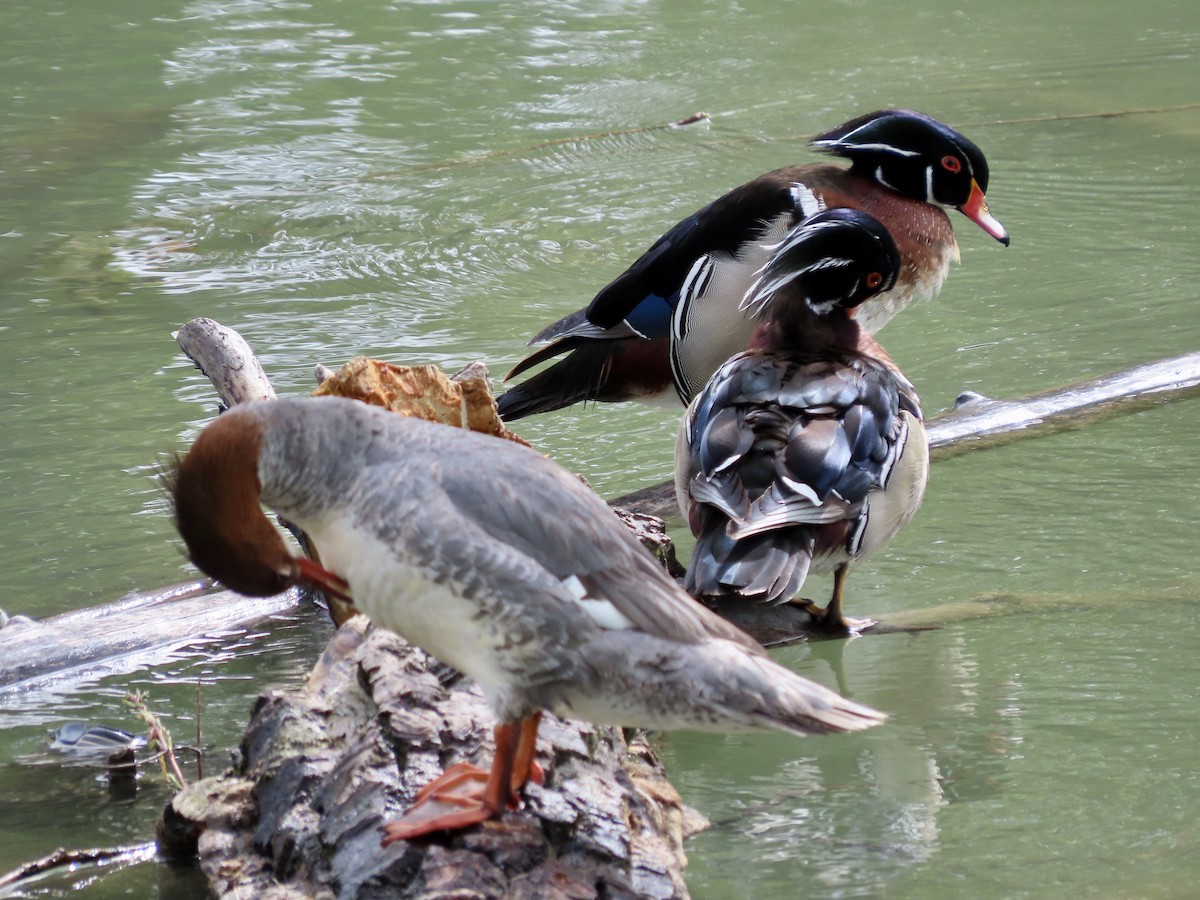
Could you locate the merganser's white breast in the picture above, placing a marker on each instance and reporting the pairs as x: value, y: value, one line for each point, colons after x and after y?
x: 402, y: 594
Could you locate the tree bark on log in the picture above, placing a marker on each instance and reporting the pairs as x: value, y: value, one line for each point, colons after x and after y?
x: 322, y: 766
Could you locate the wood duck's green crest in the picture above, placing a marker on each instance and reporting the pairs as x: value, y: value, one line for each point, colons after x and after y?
x: 836, y: 258
x: 919, y: 157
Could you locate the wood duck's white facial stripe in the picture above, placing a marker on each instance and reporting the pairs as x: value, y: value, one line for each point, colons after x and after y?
x: 847, y: 142
x: 879, y: 177
x: 761, y: 293
x: 602, y: 612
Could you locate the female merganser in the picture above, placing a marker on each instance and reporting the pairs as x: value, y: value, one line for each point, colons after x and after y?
x: 491, y: 558
x: 806, y: 452
x: 666, y: 324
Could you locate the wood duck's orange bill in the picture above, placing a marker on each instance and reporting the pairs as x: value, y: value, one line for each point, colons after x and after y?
x: 976, y: 209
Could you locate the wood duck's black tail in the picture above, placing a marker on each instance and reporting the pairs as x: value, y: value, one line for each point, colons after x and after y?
x: 604, y: 371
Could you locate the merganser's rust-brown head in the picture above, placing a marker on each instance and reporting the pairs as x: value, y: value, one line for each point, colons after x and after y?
x: 215, y: 491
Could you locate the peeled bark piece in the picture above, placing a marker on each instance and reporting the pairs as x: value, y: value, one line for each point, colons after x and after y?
x: 322, y: 767
x: 422, y: 391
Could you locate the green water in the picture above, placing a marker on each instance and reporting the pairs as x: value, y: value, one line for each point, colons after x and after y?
x: 392, y: 179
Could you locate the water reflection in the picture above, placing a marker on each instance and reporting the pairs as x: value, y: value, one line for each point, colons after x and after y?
x: 863, y: 807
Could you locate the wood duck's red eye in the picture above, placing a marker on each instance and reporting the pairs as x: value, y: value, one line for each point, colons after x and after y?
x: 952, y: 164
x: 874, y: 280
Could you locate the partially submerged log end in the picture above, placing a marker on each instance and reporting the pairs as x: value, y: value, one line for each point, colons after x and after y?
x: 224, y: 356
x: 322, y: 766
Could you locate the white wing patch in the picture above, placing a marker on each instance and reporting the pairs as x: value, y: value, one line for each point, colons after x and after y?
x: 694, y: 287
x: 602, y: 612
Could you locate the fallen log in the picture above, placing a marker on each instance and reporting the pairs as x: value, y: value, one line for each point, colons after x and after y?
x: 318, y: 773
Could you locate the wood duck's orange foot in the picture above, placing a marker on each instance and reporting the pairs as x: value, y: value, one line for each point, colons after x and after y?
x: 840, y: 626
x: 452, y: 802
x: 536, y: 774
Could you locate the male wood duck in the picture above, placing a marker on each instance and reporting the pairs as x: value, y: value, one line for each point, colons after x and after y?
x: 807, y: 452
x: 493, y: 559
x: 664, y: 325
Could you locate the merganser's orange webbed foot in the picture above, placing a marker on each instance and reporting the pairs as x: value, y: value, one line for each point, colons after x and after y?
x: 456, y: 800
x: 466, y: 795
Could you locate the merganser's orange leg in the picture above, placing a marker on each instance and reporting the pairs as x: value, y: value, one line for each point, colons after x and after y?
x: 525, y: 767
x: 456, y: 800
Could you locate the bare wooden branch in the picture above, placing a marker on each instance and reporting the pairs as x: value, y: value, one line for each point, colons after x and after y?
x: 63, y: 858
x: 224, y: 356
x: 120, y: 636
x: 978, y: 422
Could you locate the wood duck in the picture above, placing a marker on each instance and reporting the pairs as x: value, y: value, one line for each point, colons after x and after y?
x: 666, y: 324
x: 491, y: 558
x: 806, y: 452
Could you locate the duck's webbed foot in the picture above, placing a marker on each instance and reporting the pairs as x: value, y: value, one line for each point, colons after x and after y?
x: 831, y: 620
x: 466, y: 795
x: 456, y: 800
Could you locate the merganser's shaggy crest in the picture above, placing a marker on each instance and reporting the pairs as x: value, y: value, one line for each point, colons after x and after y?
x: 493, y: 559
x: 664, y: 325
x: 807, y: 452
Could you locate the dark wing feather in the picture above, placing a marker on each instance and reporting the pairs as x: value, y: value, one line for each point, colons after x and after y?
x: 720, y: 227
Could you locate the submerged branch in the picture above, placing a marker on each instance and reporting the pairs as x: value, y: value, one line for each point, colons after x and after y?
x: 72, y: 859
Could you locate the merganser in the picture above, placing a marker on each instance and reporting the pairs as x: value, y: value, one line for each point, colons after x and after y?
x: 494, y: 560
